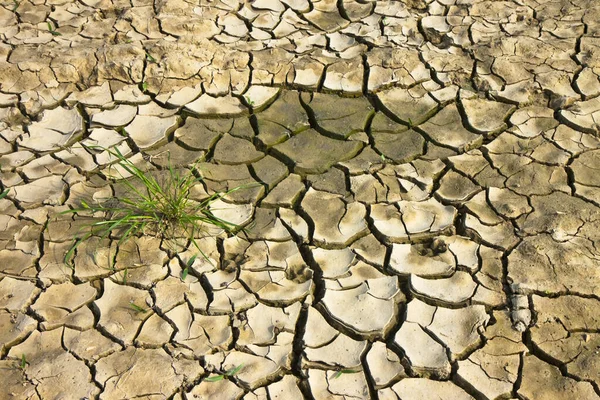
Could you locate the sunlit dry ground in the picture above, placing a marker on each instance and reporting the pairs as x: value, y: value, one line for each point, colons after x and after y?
x: 424, y: 221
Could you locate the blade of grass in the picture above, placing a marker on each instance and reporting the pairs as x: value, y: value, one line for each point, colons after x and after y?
x: 127, y: 233
x: 69, y: 254
x: 188, y: 264
x: 137, y: 308
x: 201, y: 252
x: 234, y: 371
x: 215, y: 378
x: 344, y: 371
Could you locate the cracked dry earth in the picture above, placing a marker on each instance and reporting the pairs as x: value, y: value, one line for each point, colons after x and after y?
x: 425, y: 222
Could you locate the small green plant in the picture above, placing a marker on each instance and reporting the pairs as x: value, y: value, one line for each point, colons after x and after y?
x: 15, y: 5
x: 144, y: 87
x: 150, y: 58
x: 152, y: 207
x: 249, y: 101
x: 4, y: 194
x: 345, y: 371
x: 186, y: 270
x: 136, y: 308
x: 52, y: 30
x: 23, y: 363
x: 221, y: 376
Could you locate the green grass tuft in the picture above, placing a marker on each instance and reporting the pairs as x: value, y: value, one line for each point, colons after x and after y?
x: 149, y: 207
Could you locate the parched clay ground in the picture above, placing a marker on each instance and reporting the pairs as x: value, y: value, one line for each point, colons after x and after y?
x: 425, y: 222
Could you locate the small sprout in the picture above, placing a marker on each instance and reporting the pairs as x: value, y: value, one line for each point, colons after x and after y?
x: 410, y: 123
x: 345, y: 371
x: 52, y: 30
x: 215, y: 378
x: 15, y: 6
x: 249, y: 101
x: 220, y: 377
x: 186, y: 270
x: 150, y: 58
x: 23, y: 364
x: 234, y: 371
x: 136, y: 308
x: 4, y: 194
x: 383, y: 157
x: 125, y: 276
x: 144, y: 86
